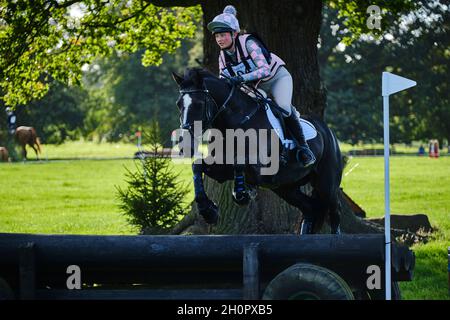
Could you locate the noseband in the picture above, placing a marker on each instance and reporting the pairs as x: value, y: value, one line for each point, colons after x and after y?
x: 209, y: 115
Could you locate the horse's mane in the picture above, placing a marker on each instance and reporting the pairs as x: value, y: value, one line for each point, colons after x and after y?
x: 198, y: 73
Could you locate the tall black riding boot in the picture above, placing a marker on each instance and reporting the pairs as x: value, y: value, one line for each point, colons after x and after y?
x: 304, y: 153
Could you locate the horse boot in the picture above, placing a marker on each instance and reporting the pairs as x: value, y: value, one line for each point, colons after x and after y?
x: 284, y: 155
x: 336, y: 230
x: 304, y: 154
x: 240, y: 195
x: 207, y: 209
x: 307, y: 226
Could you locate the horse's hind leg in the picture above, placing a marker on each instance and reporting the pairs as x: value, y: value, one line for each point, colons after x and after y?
x: 309, y: 206
x: 24, y: 153
x: 335, y: 217
x: 327, y: 191
x: 330, y: 207
x: 35, y: 150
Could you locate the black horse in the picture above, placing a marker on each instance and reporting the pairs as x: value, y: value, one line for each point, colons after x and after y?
x: 219, y: 105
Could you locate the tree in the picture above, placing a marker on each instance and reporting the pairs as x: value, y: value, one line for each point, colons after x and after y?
x: 44, y: 40
x: 426, y: 48
x: 58, y: 116
x: 153, y: 199
x: 123, y: 95
x: 352, y: 77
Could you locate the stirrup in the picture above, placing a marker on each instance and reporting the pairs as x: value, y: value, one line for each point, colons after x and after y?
x: 305, y: 156
x: 284, y: 156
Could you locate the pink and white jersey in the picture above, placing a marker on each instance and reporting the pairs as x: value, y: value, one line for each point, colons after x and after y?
x: 250, y: 61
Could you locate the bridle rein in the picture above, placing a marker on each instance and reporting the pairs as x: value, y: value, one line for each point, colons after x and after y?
x: 209, y: 115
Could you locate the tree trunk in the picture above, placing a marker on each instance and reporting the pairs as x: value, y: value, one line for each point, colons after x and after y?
x: 266, y: 214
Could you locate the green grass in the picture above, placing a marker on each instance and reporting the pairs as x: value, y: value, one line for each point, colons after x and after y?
x: 65, y: 197
x: 74, y: 197
x: 418, y: 185
x: 87, y: 149
x: 399, y: 148
x: 84, y: 149
x: 79, y: 197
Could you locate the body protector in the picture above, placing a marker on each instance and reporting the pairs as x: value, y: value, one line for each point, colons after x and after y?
x: 244, y: 63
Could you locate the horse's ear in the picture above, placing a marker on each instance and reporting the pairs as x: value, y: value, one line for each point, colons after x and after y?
x: 178, y: 79
x: 197, y: 79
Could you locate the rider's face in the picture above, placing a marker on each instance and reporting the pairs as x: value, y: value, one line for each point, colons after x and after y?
x: 224, y: 39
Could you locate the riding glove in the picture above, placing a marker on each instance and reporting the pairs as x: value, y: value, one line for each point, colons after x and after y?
x: 236, y: 80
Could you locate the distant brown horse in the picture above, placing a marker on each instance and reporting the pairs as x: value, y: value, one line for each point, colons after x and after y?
x: 27, y: 135
x: 4, y: 156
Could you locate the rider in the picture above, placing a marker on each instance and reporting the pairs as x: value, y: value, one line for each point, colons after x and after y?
x: 11, y: 120
x: 244, y: 59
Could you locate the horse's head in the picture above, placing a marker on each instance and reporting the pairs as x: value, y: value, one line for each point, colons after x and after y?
x: 194, y: 102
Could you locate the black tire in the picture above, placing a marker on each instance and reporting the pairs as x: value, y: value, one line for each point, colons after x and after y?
x: 305, y: 281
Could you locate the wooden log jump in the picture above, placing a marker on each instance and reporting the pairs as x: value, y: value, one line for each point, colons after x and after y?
x: 243, y: 264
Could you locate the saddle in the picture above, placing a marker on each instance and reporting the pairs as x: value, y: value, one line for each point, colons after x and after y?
x: 275, y: 116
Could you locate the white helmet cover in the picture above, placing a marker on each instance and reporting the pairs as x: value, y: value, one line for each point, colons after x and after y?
x: 226, y: 21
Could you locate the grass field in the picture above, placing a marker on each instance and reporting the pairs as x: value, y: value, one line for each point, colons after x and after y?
x: 84, y: 149
x: 76, y: 197
x: 418, y: 185
x: 79, y: 197
x: 93, y: 150
x: 399, y: 148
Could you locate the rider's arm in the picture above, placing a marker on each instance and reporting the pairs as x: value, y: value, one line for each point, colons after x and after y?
x: 255, y: 52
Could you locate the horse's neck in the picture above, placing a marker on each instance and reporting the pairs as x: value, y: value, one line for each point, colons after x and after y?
x: 218, y: 90
x: 238, y: 104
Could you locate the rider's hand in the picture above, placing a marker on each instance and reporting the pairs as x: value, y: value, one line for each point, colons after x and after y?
x: 236, y: 80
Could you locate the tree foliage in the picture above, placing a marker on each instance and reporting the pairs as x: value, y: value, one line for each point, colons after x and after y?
x: 416, y: 48
x: 124, y: 95
x: 154, y: 197
x: 355, y: 14
x: 43, y: 40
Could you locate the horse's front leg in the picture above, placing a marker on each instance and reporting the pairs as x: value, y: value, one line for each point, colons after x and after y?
x: 207, y: 208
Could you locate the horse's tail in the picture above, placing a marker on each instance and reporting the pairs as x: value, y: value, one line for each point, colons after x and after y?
x: 38, y: 144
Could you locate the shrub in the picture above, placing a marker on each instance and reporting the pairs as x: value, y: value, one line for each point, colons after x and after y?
x: 154, y: 197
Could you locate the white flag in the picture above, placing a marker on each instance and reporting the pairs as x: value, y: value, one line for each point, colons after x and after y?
x: 392, y: 83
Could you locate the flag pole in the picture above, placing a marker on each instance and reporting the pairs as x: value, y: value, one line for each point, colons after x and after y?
x: 390, y: 84
x: 387, y: 217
